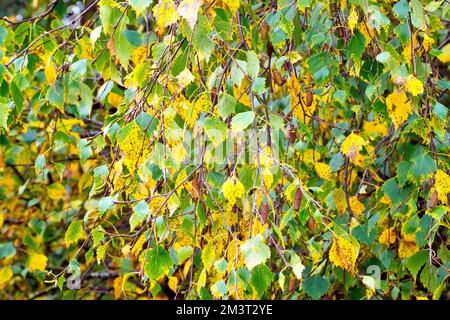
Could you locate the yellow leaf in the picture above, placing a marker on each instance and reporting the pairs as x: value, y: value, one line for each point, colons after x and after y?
x: 352, y: 146
x: 233, y: 5
x: 406, y: 249
x: 232, y: 189
x: 50, y: 72
x: 165, y: 13
x: 37, y: 262
x: 114, y: 99
x: 323, y: 170
x: 118, y: 287
x: 444, y: 57
x: 356, y: 206
x: 101, y: 253
x: 388, y: 236
x: 399, y: 107
x: 352, y: 19
x: 173, y: 283
x: 6, y: 274
x: 137, y: 248
x: 201, y: 280
x: 56, y: 191
x: 407, y: 246
x: 342, y: 254
x: 442, y: 184
x: 413, y: 85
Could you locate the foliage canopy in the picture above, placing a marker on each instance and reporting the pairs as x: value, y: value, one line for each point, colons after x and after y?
x: 225, y: 149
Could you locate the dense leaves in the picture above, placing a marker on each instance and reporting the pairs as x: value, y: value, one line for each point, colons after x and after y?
x: 204, y: 149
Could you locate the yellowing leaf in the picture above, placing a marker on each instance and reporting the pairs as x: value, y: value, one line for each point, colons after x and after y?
x: 6, y: 274
x: 352, y: 19
x: 201, y: 281
x: 407, y: 246
x: 137, y: 248
x: 101, y: 253
x: 114, y: 99
x: 444, y: 57
x: 343, y: 254
x: 173, y: 284
x: 188, y: 9
x: 56, y: 191
x: 388, y: 236
x: 165, y: 13
x: 399, y: 107
x: 323, y: 170
x: 50, y: 72
x: 232, y: 189
x: 37, y: 262
x: 413, y: 85
x: 406, y: 249
x: 352, y: 146
x: 118, y: 287
x: 356, y: 206
x: 74, y: 233
x: 233, y: 5
x: 442, y: 185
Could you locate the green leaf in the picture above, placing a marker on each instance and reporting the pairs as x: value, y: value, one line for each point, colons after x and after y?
x: 261, y: 279
x: 401, y: 9
x: 255, y: 251
x: 356, y: 45
x: 418, y: 15
x: 100, y: 174
x: 226, y: 105
x: 383, y: 57
x: 109, y: 17
x: 336, y: 162
x: 297, y: 266
x: 219, y: 289
x: 74, y: 233
x: 104, y: 204
x: 252, y: 64
x: 140, y: 213
x: 423, y: 165
x: 140, y: 5
x: 184, y: 253
x: 79, y: 67
x: 7, y: 250
x: 97, y: 236
x: 393, y: 191
x: 179, y: 63
x: 259, y: 85
x: 403, y: 170
x: 133, y: 37
x: 55, y: 97
x: 242, y: 120
x: 238, y: 70
x: 201, y: 40
x: 39, y: 163
x: 158, y: 262
x: 416, y: 261
x: 222, y: 23
x: 4, y: 112
x: 215, y: 129
x: 123, y: 48
x: 440, y: 111
x: 316, y: 286
x: 85, y: 150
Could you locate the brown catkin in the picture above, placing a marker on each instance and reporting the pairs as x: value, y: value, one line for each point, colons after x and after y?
x: 309, y: 98
x: 298, y: 199
x: 264, y: 212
